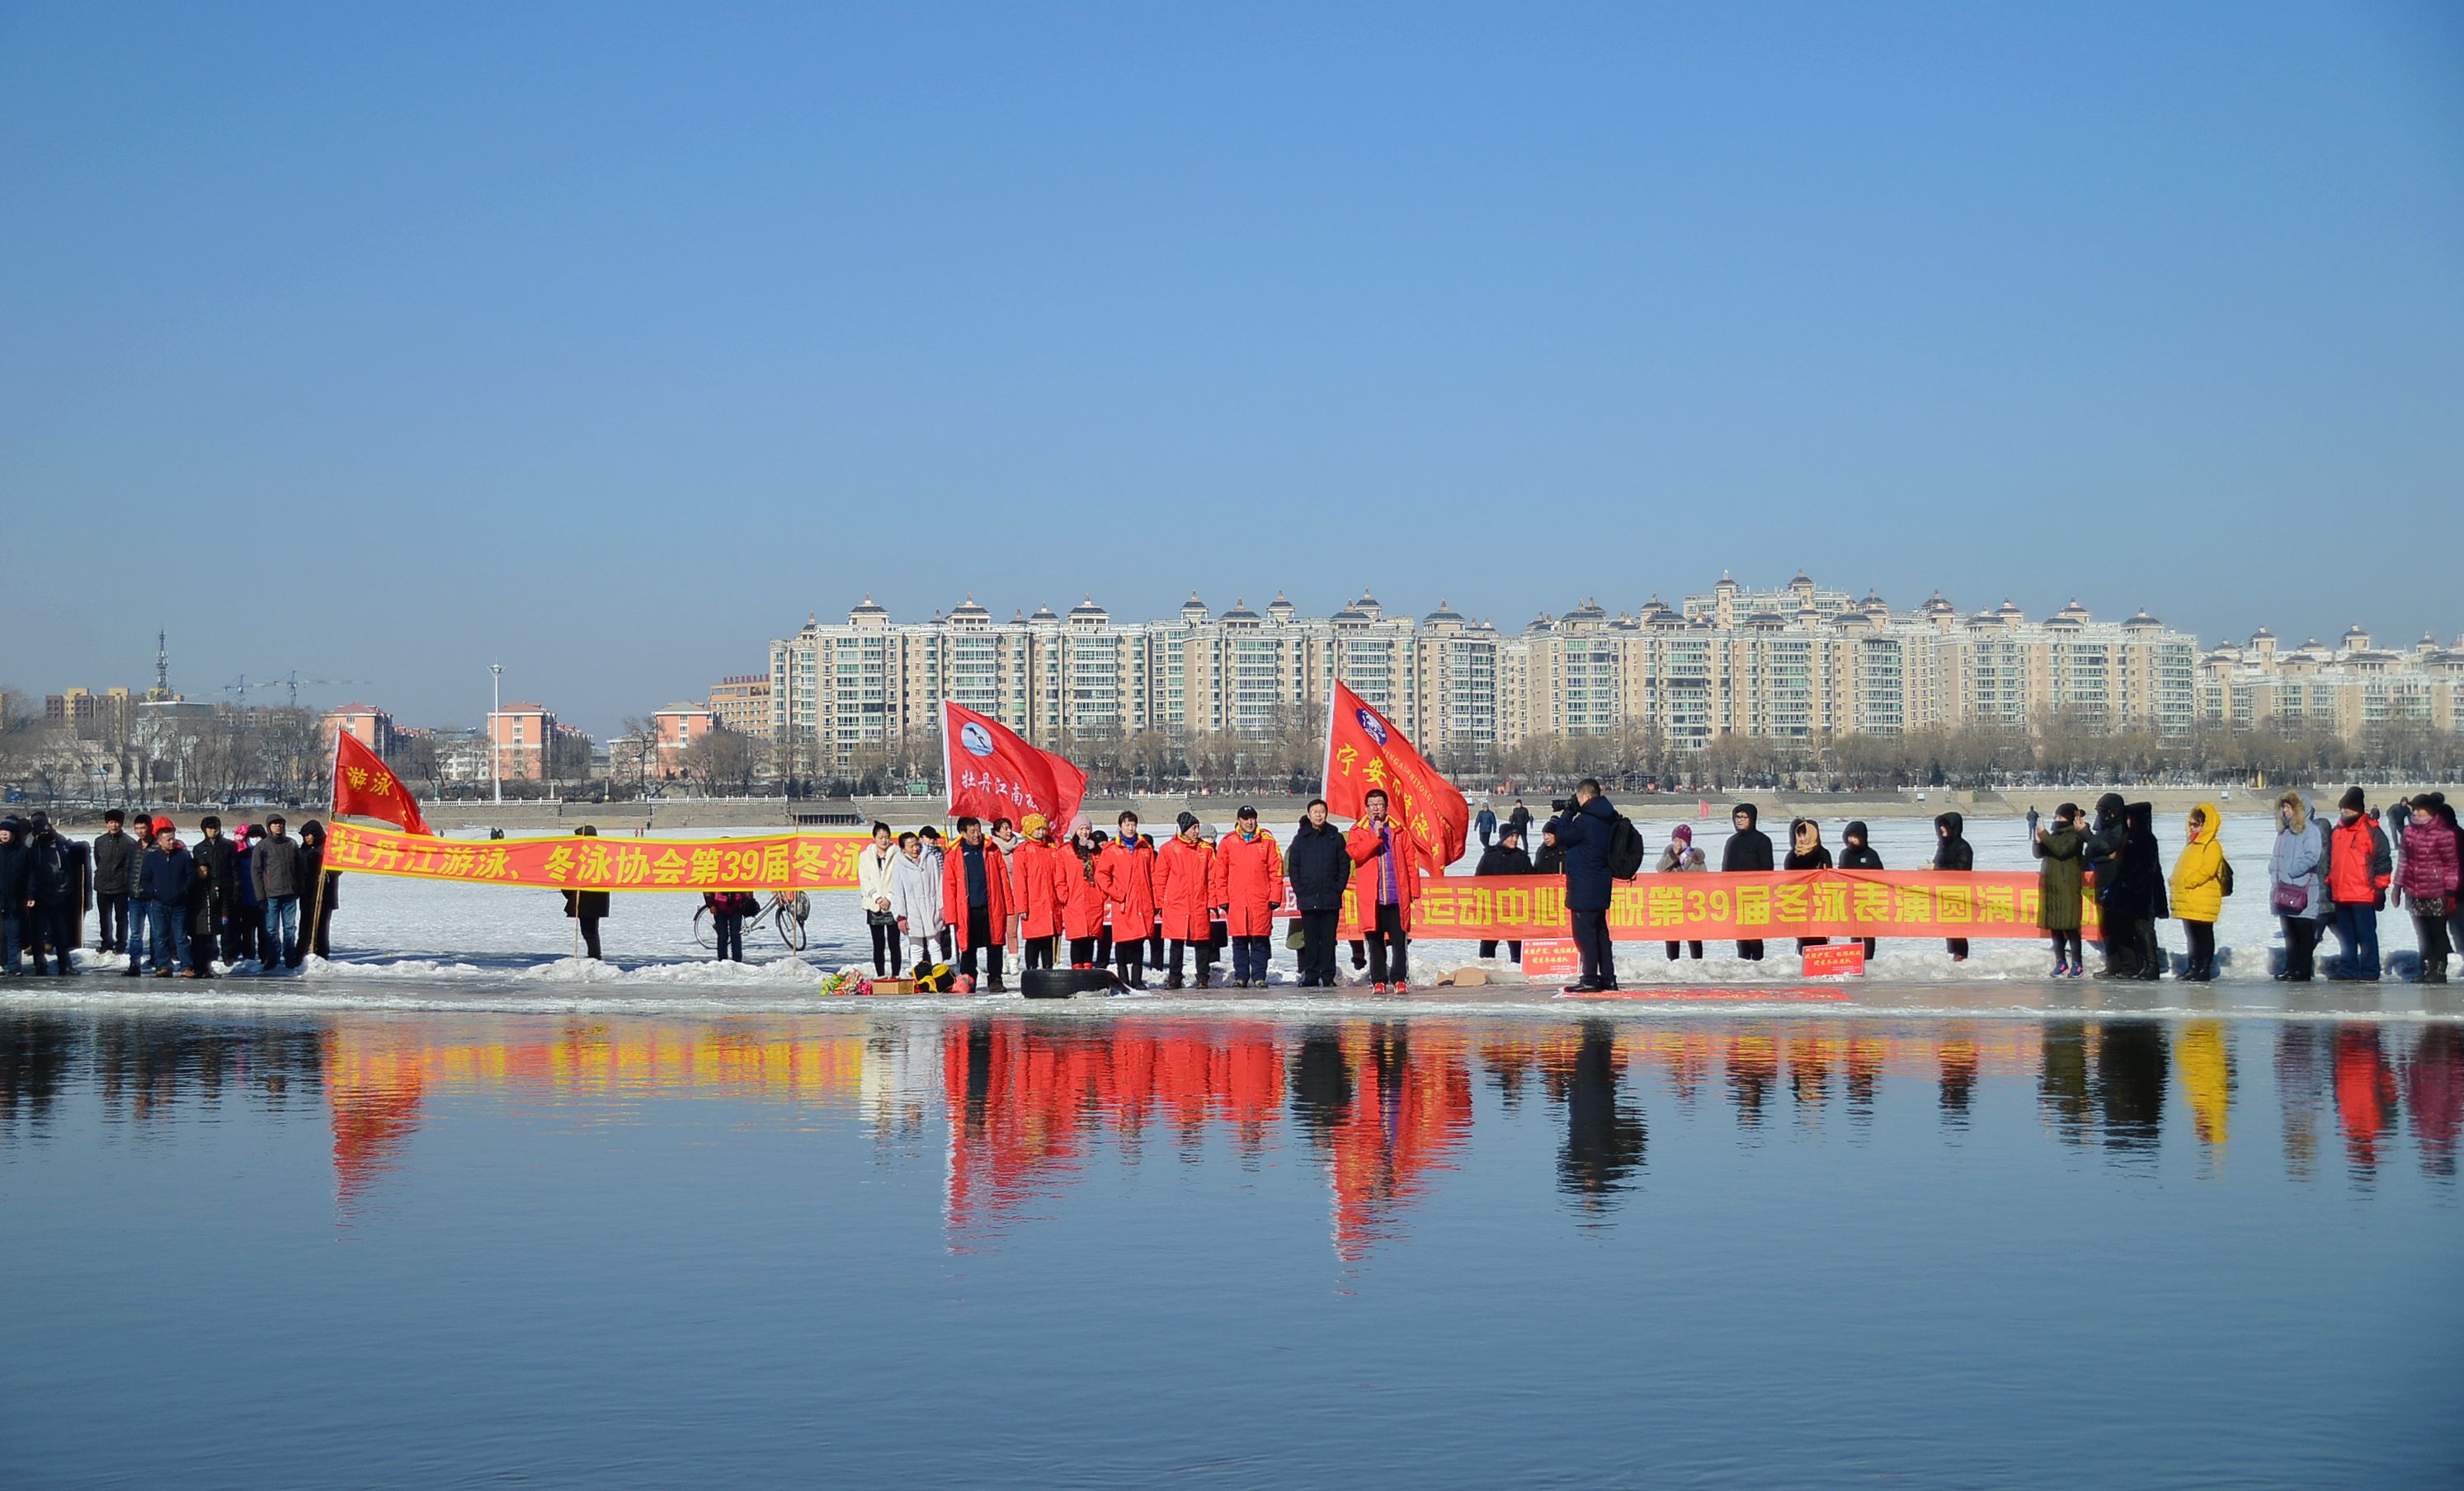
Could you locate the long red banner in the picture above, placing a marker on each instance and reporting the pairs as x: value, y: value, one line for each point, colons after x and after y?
x: 1681, y: 907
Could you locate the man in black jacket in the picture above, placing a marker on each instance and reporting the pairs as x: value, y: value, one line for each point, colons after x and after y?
x: 1748, y: 848
x: 2098, y: 854
x: 1505, y: 857
x: 114, y: 881
x: 217, y: 896
x: 1319, y: 866
x: 1857, y: 852
x: 1583, y: 831
x: 16, y: 906
x: 56, y: 884
x: 1953, y: 852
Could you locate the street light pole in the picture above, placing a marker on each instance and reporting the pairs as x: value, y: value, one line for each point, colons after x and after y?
x: 497, y: 707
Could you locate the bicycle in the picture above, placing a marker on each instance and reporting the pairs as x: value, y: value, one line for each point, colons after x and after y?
x: 784, y: 915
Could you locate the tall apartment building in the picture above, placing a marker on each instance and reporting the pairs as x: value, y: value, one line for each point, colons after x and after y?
x: 2354, y: 688
x: 1795, y: 663
x: 367, y: 724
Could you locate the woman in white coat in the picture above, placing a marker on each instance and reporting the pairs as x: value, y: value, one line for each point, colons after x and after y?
x: 872, y: 868
x: 915, y: 896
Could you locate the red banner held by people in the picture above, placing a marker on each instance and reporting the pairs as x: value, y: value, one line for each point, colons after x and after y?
x: 364, y: 786
x: 1363, y: 752
x: 994, y: 772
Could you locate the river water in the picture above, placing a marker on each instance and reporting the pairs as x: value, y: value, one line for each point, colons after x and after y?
x: 1128, y: 1244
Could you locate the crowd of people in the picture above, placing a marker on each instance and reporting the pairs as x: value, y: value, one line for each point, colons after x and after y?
x: 258, y: 900
x: 1014, y: 889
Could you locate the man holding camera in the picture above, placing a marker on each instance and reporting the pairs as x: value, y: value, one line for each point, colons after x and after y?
x: 1583, y: 830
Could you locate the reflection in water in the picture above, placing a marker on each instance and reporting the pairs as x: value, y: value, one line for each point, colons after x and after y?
x: 1383, y: 1110
x: 1604, y: 1137
x: 2365, y: 1095
x: 2433, y: 1088
x: 2130, y: 1071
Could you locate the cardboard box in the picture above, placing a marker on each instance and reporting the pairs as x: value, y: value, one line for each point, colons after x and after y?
x: 893, y: 986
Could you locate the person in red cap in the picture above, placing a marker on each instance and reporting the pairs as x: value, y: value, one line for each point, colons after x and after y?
x: 1036, y: 876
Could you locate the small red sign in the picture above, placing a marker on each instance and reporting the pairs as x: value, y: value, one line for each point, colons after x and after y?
x: 1835, y: 959
x: 1556, y: 958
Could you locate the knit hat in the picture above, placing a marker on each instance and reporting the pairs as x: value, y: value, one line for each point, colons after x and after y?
x: 1186, y: 822
x: 1683, y: 833
x: 162, y: 825
x: 1081, y: 823
x: 2352, y: 799
x: 1035, y: 822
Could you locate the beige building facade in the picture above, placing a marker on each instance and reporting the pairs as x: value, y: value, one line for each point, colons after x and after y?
x: 1797, y: 662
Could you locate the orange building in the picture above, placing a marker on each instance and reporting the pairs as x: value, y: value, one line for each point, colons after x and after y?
x: 742, y: 702
x: 364, y: 723
x: 519, y: 734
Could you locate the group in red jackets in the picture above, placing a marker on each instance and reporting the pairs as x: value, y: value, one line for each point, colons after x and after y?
x: 1118, y: 902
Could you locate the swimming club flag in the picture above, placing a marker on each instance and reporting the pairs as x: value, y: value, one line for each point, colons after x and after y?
x: 994, y: 772
x: 1363, y: 751
x: 364, y: 786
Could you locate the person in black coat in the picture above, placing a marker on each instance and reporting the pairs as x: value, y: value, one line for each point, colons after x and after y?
x: 1952, y: 851
x: 216, y: 900
x: 2098, y: 853
x: 588, y: 907
x: 324, y: 890
x: 1857, y: 852
x: 1806, y: 850
x: 1505, y: 857
x: 1319, y: 867
x: 2138, y: 902
x: 1583, y: 832
x: 1748, y: 849
x: 56, y: 882
x: 16, y: 904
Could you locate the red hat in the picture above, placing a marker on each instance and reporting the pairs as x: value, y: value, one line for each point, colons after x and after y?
x: 162, y: 825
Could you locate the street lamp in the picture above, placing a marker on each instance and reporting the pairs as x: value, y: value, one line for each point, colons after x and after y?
x: 497, y: 707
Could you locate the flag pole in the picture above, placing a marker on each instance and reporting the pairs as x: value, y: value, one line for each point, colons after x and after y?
x: 334, y: 815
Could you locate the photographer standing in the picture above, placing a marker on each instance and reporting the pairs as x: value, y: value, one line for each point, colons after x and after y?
x: 1583, y: 831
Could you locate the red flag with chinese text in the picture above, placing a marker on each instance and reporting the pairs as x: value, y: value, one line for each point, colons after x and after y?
x: 1364, y: 751
x: 994, y: 772
x: 364, y: 786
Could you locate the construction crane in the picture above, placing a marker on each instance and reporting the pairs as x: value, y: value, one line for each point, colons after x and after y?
x: 238, y: 688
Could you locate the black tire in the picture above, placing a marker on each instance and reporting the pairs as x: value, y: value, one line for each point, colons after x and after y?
x: 705, y: 933
x: 791, y: 931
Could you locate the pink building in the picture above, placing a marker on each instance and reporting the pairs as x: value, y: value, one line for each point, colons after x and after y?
x: 518, y: 735
x: 675, y: 729
x: 364, y: 723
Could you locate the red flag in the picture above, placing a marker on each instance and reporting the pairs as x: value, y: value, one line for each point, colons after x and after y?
x: 366, y: 787
x: 994, y: 774
x: 1363, y: 751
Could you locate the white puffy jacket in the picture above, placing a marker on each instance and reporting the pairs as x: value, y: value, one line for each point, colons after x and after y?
x: 873, y: 867
x: 915, y: 893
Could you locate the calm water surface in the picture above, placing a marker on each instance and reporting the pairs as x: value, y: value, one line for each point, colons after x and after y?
x: 353, y: 1249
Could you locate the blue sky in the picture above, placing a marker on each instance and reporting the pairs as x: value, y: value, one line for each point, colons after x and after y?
x: 611, y: 340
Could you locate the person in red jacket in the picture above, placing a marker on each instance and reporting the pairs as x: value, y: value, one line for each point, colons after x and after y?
x: 2427, y: 879
x: 2357, y: 872
x: 1125, y: 871
x: 1184, y: 886
x: 976, y: 898
x: 1251, y: 866
x: 1036, y: 872
x: 1387, y: 882
x: 1082, y: 896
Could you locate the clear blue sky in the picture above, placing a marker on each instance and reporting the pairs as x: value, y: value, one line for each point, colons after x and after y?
x: 611, y: 340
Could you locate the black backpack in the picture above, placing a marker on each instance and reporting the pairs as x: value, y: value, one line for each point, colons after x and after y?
x: 1625, y: 849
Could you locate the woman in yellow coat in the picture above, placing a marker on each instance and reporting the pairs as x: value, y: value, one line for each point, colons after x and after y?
x: 2198, y: 889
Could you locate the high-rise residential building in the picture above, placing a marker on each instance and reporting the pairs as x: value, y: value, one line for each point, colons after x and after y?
x: 108, y: 715
x: 1797, y: 662
x: 2353, y: 689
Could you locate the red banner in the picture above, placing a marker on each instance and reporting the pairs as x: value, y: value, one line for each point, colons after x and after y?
x: 364, y: 786
x: 766, y: 862
x: 993, y: 772
x: 1727, y: 908
x: 1365, y: 752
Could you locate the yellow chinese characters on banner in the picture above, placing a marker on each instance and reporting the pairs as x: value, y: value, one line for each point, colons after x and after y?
x: 1726, y: 907
x: 770, y: 862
